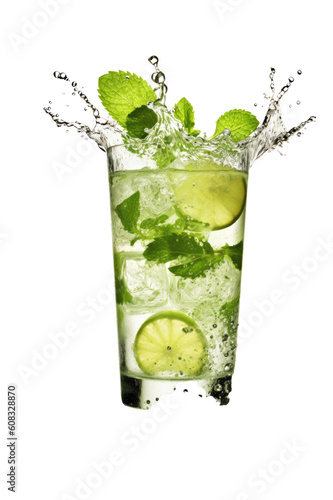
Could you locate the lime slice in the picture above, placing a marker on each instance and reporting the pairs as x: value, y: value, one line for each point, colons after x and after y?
x: 170, y: 342
x: 216, y: 197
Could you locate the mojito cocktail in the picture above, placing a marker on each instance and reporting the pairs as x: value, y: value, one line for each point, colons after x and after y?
x: 178, y: 210
x: 178, y: 241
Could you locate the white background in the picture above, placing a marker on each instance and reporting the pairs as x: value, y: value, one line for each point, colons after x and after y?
x: 55, y: 253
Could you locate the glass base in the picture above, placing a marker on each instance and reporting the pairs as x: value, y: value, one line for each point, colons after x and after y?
x: 144, y: 392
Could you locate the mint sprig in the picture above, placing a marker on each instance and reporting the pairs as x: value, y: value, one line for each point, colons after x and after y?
x: 197, y: 267
x: 185, y: 113
x: 240, y: 123
x: 170, y: 247
x: 199, y: 254
x: 125, y: 96
x: 122, y: 92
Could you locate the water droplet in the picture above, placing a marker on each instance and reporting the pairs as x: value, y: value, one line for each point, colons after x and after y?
x: 290, y: 106
x: 73, y: 93
x: 185, y: 390
x: 50, y: 102
x: 299, y: 71
x: 153, y: 60
x: 291, y: 79
x: 298, y: 102
x: 218, y: 387
x: 127, y: 77
x: 214, y: 325
x: 226, y: 131
x: 56, y: 74
x: 187, y: 330
x: 169, y: 348
x: 255, y: 104
x: 299, y: 134
x: 157, y: 399
x: 74, y: 84
x: 225, y: 337
x: 148, y: 402
x: 193, y: 184
x: 228, y: 367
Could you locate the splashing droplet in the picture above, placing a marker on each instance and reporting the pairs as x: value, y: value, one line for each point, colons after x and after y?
x: 298, y: 102
x: 299, y: 71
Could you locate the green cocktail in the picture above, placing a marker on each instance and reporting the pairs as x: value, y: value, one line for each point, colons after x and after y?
x: 178, y: 210
x: 178, y: 239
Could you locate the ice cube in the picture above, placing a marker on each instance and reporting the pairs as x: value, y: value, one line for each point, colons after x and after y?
x: 222, y: 283
x: 146, y: 282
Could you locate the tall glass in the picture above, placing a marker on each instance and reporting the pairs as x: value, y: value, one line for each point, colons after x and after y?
x: 177, y: 239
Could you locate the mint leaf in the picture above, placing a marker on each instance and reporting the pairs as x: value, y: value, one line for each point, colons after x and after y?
x: 122, y: 293
x: 121, y: 92
x: 151, y: 223
x: 197, y: 267
x: 229, y: 311
x: 240, y: 123
x: 235, y: 253
x: 184, y: 112
x: 129, y: 211
x: 140, y: 119
x: 170, y: 247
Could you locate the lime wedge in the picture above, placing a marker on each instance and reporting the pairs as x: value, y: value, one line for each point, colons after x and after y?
x: 170, y: 342
x: 216, y: 197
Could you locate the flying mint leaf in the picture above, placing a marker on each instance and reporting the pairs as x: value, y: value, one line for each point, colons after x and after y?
x: 140, y: 119
x: 121, y: 92
x: 235, y: 253
x: 151, y: 223
x: 229, y: 312
x: 184, y: 112
x: 128, y: 212
x: 197, y: 267
x: 240, y: 123
x: 170, y: 247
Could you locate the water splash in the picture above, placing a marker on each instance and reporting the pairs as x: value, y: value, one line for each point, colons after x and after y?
x: 167, y: 142
x: 158, y: 77
x: 104, y: 130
